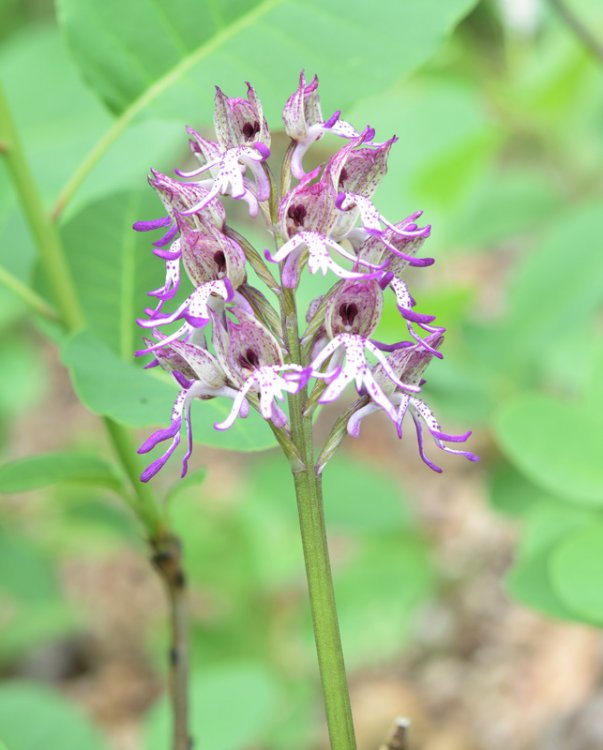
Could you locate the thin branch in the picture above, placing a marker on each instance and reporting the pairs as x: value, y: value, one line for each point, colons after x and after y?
x: 32, y: 299
x: 167, y: 560
x: 398, y: 738
x: 583, y: 33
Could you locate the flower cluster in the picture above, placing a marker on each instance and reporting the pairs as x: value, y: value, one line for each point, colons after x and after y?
x: 229, y: 341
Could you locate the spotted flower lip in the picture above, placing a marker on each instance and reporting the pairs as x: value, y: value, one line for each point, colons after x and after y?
x: 200, y: 376
x: 306, y: 216
x: 409, y: 363
x: 196, y: 312
x: 348, y: 363
x: 254, y: 361
x: 227, y: 168
x: 207, y: 255
x: 304, y: 123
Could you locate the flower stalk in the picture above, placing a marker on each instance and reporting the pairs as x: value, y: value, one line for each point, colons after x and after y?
x: 324, y: 611
x: 310, y: 510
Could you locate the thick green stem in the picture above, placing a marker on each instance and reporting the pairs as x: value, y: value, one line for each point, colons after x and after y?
x: 324, y: 611
x: 308, y: 490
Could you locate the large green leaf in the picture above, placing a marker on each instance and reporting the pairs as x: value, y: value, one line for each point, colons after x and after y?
x: 113, y: 267
x: 33, y: 717
x: 60, y: 120
x: 40, y: 471
x: 577, y: 571
x: 170, y: 54
x: 113, y: 388
x: 557, y: 445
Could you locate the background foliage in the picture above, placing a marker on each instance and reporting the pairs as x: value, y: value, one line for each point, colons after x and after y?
x: 500, y: 132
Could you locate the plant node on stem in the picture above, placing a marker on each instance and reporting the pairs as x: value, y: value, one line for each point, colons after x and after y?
x: 167, y: 561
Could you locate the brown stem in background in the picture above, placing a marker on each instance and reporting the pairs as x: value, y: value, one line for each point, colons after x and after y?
x: 398, y: 738
x: 583, y: 33
x: 167, y: 560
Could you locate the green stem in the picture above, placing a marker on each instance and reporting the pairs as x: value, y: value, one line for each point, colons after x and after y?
x: 145, y: 505
x: 32, y: 299
x: 324, y: 612
x: 308, y: 490
x: 167, y: 556
x: 582, y: 32
x: 56, y: 268
x: 42, y: 229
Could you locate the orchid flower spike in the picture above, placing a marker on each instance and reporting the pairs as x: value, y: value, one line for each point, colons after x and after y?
x: 219, y: 336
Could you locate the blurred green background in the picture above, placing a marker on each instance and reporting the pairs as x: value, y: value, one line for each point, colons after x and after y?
x: 468, y: 601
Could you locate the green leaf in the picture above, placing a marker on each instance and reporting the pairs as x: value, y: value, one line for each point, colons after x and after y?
x: 113, y: 267
x: 576, y: 567
x: 171, y: 54
x: 40, y: 471
x: 360, y: 499
x: 513, y: 495
x: 24, y: 380
x: 504, y: 203
x: 378, y: 595
x: 60, y: 119
x: 558, y: 286
x: 529, y: 580
x: 58, y: 724
x: 29, y: 596
x: 26, y: 572
x: 231, y: 707
x: 138, y: 398
x: 556, y: 444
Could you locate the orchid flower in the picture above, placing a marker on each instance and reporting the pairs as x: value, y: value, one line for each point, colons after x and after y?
x: 304, y: 122
x: 254, y: 361
x: 306, y: 216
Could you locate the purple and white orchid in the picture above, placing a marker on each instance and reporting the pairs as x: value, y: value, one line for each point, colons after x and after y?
x: 224, y: 338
